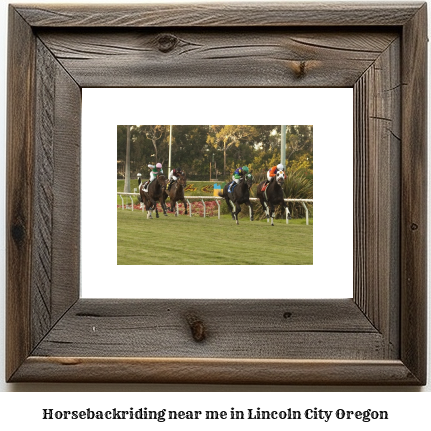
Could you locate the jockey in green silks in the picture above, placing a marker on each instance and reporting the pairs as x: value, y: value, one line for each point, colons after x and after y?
x: 237, y: 175
x: 155, y: 170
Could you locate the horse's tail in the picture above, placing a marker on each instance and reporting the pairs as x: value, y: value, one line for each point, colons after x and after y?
x: 221, y: 194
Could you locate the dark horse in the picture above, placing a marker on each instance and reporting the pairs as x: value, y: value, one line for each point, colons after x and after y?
x: 154, y: 194
x: 176, y: 192
x: 272, y: 196
x: 239, y: 195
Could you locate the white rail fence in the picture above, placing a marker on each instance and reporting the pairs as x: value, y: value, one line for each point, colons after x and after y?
x: 202, y: 199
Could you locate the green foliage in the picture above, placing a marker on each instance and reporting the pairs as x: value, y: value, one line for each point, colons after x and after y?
x: 225, y: 147
x: 263, y: 161
x: 297, y: 186
x: 299, y: 141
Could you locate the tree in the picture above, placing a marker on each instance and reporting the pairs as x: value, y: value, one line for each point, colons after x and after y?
x: 127, y: 174
x: 155, y: 134
x: 121, y: 150
x: 268, y: 137
x: 299, y: 139
x: 190, y: 149
x: 225, y: 137
x: 194, y: 146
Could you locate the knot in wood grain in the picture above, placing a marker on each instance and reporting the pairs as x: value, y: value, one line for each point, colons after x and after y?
x: 18, y: 233
x: 414, y: 226
x: 166, y: 42
x: 300, y: 69
x: 197, y: 328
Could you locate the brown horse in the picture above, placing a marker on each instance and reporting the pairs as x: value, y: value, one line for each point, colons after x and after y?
x: 240, y: 194
x: 176, y: 192
x: 153, y: 194
x: 272, y: 196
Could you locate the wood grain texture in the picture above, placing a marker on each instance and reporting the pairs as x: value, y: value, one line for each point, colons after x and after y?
x: 43, y: 198
x: 378, y: 337
x: 56, y: 199
x: 43, y: 192
x: 215, y: 371
x: 414, y: 195
x: 66, y: 207
x: 19, y: 209
x: 220, y: 15
x: 234, y: 329
x: 377, y: 170
x: 228, y: 58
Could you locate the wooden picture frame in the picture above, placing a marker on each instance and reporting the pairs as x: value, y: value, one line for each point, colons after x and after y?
x: 376, y: 338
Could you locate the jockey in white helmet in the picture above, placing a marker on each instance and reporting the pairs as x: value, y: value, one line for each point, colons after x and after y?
x: 271, y: 174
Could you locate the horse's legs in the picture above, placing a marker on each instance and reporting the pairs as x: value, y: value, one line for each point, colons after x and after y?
x: 153, y: 207
x: 173, y: 207
x: 250, y: 209
x: 286, y: 208
x: 266, y: 209
x: 272, y: 212
x: 185, y: 206
x: 232, y: 205
x: 147, y: 205
x: 238, y: 210
x: 163, y: 205
x: 262, y: 203
x: 165, y: 209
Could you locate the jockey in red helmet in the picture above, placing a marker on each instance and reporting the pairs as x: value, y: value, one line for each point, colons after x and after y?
x: 173, y: 176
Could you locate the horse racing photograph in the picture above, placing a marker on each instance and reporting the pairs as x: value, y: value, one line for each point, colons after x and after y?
x: 214, y: 195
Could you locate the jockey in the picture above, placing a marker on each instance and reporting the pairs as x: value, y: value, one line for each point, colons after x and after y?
x: 271, y: 174
x: 155, y: 170
x: 173, y: 176
x: 237, y: 175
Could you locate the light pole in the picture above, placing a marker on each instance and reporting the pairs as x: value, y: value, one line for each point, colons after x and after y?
x: 283, y: 146
x: 127, y: 173
x: 170, y: 145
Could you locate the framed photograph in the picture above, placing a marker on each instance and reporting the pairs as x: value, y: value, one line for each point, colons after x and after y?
x: 375, y: 337
x: 213, y: 245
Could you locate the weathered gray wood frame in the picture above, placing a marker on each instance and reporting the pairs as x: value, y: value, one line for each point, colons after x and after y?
x: 378, y: 337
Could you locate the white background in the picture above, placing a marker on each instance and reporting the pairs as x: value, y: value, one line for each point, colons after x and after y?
x: 330, y: 276
x: 407, y: 408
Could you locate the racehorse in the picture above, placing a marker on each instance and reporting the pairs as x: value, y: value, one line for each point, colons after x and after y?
x: 176, y: 192
x: 239, y: 195
x: 153, y: 194
x: 272, y: 196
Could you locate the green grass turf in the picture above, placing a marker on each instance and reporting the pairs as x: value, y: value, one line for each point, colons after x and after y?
x: 209, y: 241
